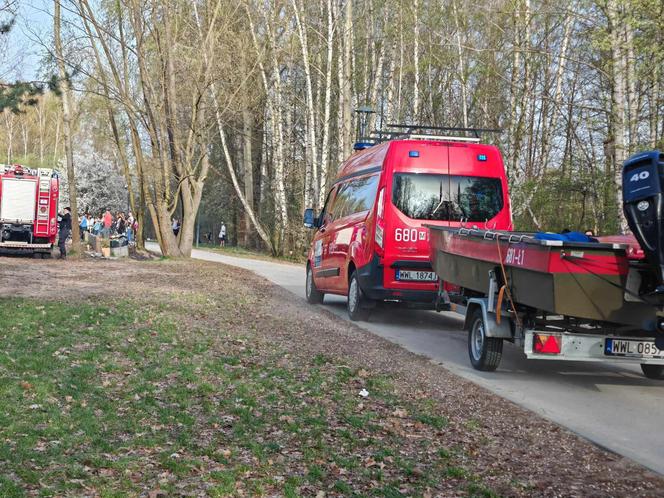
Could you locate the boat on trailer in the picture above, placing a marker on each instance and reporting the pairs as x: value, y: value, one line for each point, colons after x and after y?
x: 562, y: 297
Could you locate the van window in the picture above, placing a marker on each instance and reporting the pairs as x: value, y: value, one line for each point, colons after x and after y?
x: 355, y: 196
x: 447, y: 197
x: 325, y: 215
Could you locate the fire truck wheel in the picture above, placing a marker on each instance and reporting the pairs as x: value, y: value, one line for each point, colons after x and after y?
x: 314, y: 296
x: 485, y: 352
x: 652, y: 371
x: 357, y: 301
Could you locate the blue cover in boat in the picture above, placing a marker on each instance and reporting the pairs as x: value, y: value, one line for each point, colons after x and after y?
x: 565, y: 237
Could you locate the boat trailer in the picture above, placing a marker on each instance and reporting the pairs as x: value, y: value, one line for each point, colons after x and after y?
x: 563, y: 298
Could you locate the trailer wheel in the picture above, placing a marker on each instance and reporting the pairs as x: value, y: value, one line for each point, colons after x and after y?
x: 652, y: 371
x: 357, y: 309
x: 485, y: 352
x: 314, y: 296
x: 37, y: 255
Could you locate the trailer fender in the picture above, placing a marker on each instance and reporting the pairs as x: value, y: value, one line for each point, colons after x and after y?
x: 491, y: 327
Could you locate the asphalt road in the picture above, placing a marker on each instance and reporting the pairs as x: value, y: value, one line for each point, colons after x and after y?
x: 612, y: 405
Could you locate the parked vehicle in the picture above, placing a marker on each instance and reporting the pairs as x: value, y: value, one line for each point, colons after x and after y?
x: 371, y: 243
x: 567, y: 296
x: 28, y: 209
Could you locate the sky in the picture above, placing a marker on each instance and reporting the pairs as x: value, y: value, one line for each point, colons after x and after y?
x: 25, y: 43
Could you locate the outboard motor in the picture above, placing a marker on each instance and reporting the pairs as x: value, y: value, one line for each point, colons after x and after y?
x: 643, y: 204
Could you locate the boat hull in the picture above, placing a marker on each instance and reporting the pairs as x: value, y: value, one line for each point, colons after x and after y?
x: 582, y: 280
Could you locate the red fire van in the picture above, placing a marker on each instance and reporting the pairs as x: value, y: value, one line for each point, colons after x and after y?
x: 370, y: 243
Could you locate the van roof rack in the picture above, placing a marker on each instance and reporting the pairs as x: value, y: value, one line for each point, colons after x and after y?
x: 396, y: 131
x: 421, y: 132
x: 412, y: 128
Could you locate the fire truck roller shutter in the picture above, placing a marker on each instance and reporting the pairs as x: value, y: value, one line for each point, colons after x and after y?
x: 18, y: 200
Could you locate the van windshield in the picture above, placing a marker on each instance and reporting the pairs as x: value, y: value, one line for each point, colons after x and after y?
x: 447, y: 197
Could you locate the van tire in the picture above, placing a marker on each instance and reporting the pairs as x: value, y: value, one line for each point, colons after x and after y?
x: 357, y: 301
x: 485, y: 352
x: 314, y: 296
x: 652, y: 371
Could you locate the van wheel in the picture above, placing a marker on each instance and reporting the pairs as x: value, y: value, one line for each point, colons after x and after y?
x: 485, y: 352
x: 652, y: 371
x: 314, y: 296
x: 357, y: 301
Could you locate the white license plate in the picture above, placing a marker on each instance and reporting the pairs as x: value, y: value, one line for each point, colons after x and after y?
x: 415, y: 275
x: 636, y: 349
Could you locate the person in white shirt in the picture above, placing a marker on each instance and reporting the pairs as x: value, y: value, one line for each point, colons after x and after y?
x: 130, y: 227
x: 222, y: 235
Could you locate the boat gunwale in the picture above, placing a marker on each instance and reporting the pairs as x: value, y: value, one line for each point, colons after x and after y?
x: 526, y: 238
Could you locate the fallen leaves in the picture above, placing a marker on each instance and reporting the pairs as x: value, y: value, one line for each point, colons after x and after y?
x: 194, y: 407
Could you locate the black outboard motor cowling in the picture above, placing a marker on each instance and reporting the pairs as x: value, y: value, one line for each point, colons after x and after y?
x: 643, y: 204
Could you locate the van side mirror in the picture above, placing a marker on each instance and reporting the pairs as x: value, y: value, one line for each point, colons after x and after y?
x: 310, y: 221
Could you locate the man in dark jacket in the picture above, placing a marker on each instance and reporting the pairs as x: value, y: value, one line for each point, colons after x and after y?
x: 64, y: 221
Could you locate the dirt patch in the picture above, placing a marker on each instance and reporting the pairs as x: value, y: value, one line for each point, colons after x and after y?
x: 512, y: 452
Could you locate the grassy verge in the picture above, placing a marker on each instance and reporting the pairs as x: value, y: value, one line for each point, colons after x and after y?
x: 118, y: 399
x: 248, y: 253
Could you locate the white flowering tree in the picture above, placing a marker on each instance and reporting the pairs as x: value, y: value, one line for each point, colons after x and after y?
x: 100, y: 182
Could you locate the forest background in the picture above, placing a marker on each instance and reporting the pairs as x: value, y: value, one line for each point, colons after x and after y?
x: 218, y: 110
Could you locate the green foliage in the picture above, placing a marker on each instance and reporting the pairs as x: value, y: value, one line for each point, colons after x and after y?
x: 575, y: 201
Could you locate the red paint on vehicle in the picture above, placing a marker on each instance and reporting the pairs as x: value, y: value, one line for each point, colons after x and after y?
x: 389, y: 192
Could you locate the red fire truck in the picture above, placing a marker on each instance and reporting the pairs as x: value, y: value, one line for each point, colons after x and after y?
x: 28, y: 209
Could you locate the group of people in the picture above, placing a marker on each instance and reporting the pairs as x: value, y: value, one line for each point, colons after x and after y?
x: 108, y: 225
x: 105, y: 225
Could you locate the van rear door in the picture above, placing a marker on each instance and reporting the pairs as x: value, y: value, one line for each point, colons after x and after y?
x: 412, y: 196
x: 428, y: 188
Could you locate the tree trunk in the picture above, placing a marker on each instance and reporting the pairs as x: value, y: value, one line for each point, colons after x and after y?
x: 654, y: 105
x: 416, y: 62
x: 346, y: 89
x: 247, y: 135
x: 311, y: 153
x: 619, y: 131
x: 67, y: 126
x: 633, y: 101
x: 551, y: 123
x: 41, y: 121
x: 461, y: 68
x: 322, y: 191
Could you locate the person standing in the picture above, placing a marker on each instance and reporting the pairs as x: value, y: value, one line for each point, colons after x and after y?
x: 108, y: 222
x: 130, y: 227
x: 222, y: 235
x: 176, y: 226
x: 64, y: 223
x: 83, y: 225
x: 120, y: 225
